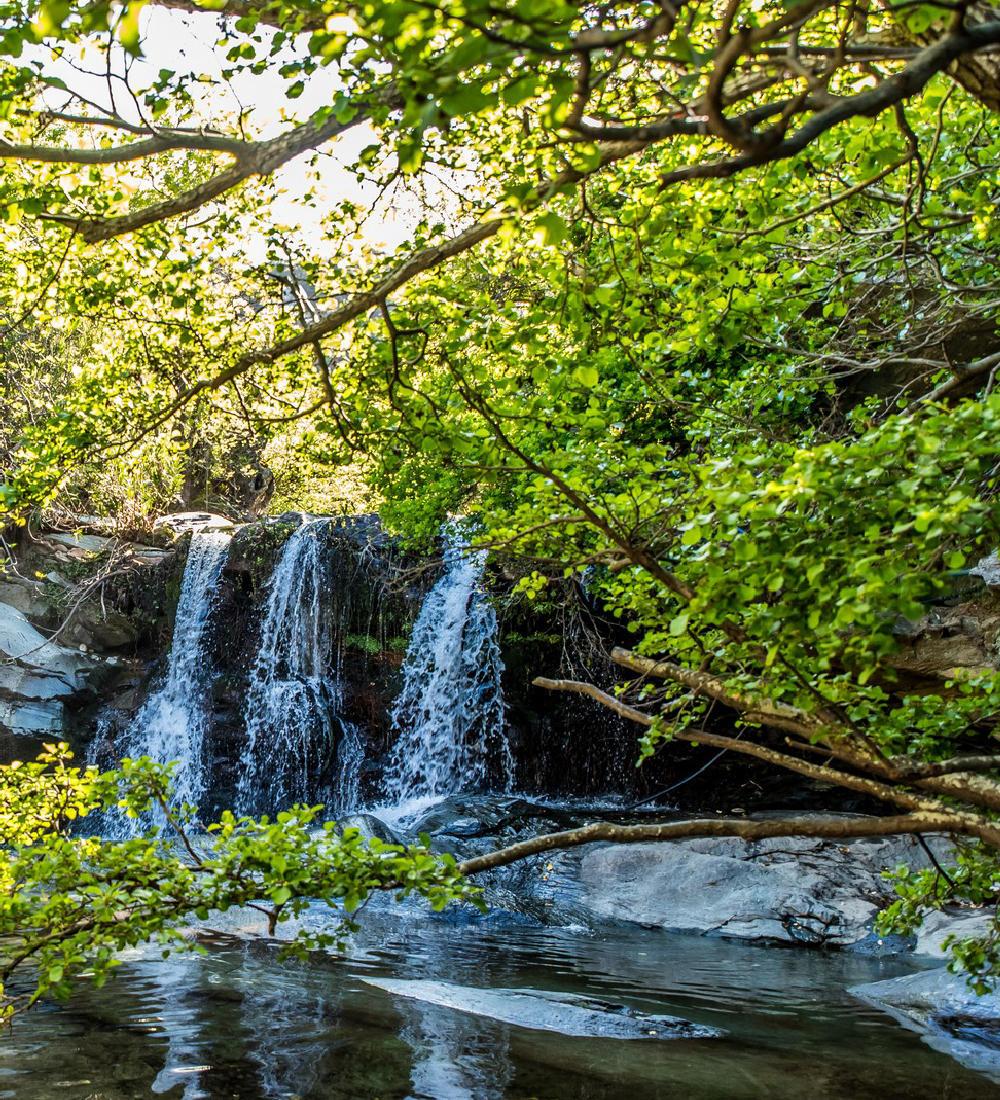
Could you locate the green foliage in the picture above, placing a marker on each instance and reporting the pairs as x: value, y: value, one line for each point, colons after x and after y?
x: 69, y: 902
x: 363, y: 642
x: 746, y: 397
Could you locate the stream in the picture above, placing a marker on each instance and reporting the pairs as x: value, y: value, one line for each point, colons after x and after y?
x: 237, y: 1023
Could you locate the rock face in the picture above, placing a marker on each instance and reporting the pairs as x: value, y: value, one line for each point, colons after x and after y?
x: 79, y: 613
x: 37, y: 677
x: 958, y: 637
x: 949, y: 1016
x: 790, y: 890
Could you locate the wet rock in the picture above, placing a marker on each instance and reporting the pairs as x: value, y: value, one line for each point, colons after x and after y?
x: 564, y: 1013
x: 369, y: 827
x: 948, y: 1015
x: 788, y: 890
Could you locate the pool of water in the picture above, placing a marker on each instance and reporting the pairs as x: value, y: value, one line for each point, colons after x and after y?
x: 237, y: 1024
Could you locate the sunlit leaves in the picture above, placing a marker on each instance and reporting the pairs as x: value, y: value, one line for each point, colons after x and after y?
x: 69, y: 902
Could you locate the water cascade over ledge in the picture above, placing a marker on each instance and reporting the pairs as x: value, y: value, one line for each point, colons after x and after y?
x: 172, y: 723
x: 294, y: 699
x: 450, y: 712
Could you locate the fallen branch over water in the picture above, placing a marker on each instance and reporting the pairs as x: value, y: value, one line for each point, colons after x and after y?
x: 829, y: 827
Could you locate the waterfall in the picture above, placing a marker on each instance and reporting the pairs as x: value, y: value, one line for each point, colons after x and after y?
x: 450, y: 712
x: 294, y: 698
x: 171, y: 724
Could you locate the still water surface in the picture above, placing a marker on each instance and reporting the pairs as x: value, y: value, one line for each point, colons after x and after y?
x: 238, y: 1025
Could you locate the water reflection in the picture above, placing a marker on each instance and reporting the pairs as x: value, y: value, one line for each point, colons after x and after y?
x: 455, y: 1057
x: 239, y: 1024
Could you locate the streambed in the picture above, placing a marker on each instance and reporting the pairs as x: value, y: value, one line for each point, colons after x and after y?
x: 236, y: 1023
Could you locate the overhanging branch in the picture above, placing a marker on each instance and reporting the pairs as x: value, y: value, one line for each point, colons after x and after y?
x: 829, y: 827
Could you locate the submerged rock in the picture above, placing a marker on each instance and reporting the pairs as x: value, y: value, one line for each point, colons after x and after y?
x: 563, y: 1013
x: 948, y: 1015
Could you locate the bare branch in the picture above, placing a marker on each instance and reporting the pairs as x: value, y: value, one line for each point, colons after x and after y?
x: 758, y: 710
x: 416, y: 264
x: 260, y: 158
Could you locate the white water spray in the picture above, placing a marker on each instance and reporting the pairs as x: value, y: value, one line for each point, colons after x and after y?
x: 295, y: 698
x: 172, y: 723
x: 450, y: 713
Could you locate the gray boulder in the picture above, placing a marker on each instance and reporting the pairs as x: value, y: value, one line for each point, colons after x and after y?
x: 938, y: 926
x: 790, y: 890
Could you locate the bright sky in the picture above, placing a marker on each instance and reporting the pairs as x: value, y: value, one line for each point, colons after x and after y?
x: 187, y: 43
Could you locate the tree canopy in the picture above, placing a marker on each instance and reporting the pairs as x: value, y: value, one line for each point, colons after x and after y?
x: 698, y: 305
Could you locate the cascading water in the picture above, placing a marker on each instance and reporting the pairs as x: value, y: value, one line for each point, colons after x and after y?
x: 450, y: 713
x: 171, y: 724
x: 294, y: 698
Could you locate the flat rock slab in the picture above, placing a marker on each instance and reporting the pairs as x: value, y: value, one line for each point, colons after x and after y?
x: 35, y: 676
x: 23, y: 644
x: 948, y: 1015
x: 563, y: 1013
x: 195, y: 521
x: 32, y: 718
x: 93, y: 544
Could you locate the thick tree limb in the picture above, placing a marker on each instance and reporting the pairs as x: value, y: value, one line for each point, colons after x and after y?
x: 829, y: 827
x: 978, y: 73
x: 975, y: 789
x: 164, y: 141
x: 265, y: 11
x: 822, y: 772
x: 960, y: 377
x: 908, y: 769
x: 886, y: 93
x: 971, y: 789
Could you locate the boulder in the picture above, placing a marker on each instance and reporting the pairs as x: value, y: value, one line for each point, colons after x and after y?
x: 938, y: 926
x: 30, y: 599
x: 99, y: 629
x: 948, y: 1015
x: 788, y: 890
